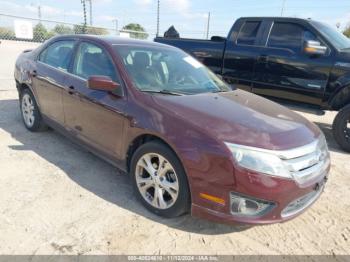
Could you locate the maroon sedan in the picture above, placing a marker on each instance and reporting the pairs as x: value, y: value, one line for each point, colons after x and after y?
x: 189, y: 141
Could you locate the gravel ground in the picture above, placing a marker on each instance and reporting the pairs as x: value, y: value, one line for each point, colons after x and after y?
x: 56, y: 198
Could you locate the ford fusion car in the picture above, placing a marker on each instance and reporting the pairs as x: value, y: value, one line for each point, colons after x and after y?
x: 190, y: 142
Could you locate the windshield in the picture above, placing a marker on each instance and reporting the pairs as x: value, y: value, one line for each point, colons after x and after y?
x: 339, y: 40
x: 168, y: 71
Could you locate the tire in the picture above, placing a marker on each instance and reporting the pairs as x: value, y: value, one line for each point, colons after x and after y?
x: 170, y: 181
x: 341, y: 131
x: 30, y: 112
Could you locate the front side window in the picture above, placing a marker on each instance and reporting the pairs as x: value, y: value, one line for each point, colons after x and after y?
x: 58, y: 54
x: 91, y: 60
x: 286, y: 35
x: 167, y: 70
x: 247, y: 34
x: 340, y: 41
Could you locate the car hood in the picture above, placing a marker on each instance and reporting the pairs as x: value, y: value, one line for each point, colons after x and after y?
x: 242, y: 118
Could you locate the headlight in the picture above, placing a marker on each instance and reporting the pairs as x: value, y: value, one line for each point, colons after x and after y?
x: 259, y: 161
x: 301, y: 164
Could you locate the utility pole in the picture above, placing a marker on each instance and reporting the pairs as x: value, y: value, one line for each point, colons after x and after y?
x: 116, y: 26
x: 208, y: 25
x: 39, y: 9
x: 90, y: 9
x: 158, y: 9
x: 283, y: 6
x: 39, y: 12
x: 84, y: 10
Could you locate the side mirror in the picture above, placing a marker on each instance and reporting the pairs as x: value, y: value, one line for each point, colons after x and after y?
x: 314, y: 48
x: 103, y: 83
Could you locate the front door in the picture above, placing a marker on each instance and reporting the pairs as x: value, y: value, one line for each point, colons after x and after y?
x: 49, y: 78
x: 285, y: 71
x: 96, y: 117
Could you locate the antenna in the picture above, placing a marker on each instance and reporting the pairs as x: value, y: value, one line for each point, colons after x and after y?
x: 158, y: 9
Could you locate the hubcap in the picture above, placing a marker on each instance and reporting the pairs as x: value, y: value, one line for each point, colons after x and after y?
x: 157, y: 180
x: 28, y: 110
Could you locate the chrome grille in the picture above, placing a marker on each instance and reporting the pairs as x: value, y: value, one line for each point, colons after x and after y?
x: 307, y: 162
x: 301, y: 203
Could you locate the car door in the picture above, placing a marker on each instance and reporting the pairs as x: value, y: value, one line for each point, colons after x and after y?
x: 49, y: 77
x: 94, y: 116
x: 285, y: 71
x: 241, y: 52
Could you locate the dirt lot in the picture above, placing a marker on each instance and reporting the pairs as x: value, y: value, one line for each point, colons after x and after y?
x: 56, y: 198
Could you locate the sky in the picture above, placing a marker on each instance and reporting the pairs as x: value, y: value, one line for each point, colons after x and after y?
x: 188, y: 16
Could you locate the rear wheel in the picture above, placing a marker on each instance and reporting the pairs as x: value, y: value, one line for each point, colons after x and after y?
x: 159, y: 180
x: 341, y: 128
x: 30, y: 112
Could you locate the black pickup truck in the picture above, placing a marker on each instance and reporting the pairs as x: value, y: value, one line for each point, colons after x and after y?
x: 298, y: 62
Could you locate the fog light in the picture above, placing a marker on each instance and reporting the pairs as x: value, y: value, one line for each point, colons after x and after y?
x: 245, y: 206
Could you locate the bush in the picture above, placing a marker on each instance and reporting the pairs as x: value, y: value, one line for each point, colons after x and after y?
x: 7, y: 33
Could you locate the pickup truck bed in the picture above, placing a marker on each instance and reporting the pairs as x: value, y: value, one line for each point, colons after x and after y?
x: 209, y: 52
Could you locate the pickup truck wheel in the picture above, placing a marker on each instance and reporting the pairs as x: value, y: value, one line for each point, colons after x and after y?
x: 30, y: 112
x: 341, y: 128
x: 159, y: 180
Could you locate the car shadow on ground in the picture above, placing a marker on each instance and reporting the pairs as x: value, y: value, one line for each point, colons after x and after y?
x: 92, y: 173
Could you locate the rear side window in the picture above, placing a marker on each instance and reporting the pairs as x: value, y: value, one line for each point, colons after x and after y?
x: 93, y: 60
x: 247, y: 34
x: 286, y: 35
x: 58, y: 54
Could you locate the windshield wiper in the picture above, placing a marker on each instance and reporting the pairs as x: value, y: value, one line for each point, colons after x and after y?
x: 164, y: 91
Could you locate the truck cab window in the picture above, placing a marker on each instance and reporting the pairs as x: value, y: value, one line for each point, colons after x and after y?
x: 286, y: 35
x: 247, y: 34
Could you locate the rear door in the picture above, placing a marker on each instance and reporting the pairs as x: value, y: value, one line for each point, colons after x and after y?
x: 285, y: 71
x: 49, y: 78
x: 94, y: 116
x: 242, y: 50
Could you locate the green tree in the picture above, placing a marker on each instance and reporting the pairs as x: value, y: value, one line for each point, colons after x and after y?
x: 346, y: 32
x: 138, y: 28
x: 40, y: 33
x: 7, y: 33
x: 62, y: 30
x: 96, y: 31
x: 79, y: 29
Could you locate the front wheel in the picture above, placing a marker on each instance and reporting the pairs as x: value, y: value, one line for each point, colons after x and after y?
x: 159, y: 180
x: 341, y: 128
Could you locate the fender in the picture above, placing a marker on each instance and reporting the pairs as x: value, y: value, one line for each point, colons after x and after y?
x: 341, y: 95
x: 23, y: 76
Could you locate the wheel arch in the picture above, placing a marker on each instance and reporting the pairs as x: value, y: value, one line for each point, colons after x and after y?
x: 141, y: 140
x: 22, y: 86
x: 341, y: 98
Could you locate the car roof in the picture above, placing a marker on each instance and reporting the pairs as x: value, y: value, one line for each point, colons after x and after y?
x: 115, y: 40
x: 276, y: 18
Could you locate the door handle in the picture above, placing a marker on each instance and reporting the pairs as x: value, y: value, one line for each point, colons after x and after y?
x: 263, y: 59
x: 34, y: 73
x: 71, y: 90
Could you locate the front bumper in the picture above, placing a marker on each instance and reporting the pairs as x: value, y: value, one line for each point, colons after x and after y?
x: 290, y: 198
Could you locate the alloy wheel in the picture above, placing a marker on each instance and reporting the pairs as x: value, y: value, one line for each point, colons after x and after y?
x: 28, y: 110
x: 157, y: 181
